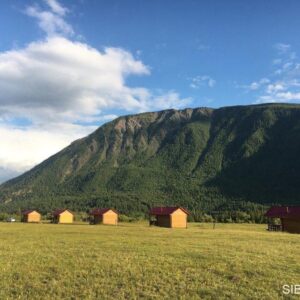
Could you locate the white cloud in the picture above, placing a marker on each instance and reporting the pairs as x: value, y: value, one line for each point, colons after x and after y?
x: 282, y: 48
x: 279, y: 97
x: 283, y: 84
x: 255, y: 85
x: 288, y: 96
x: 275, y: 87
x: 68, y: 79
x: 203, y: 80
x: 23, y: 148
x: 286, y: 60
x: 56, y: 7
x: 58, y: 79
x: 285, y: 90
x: 170, y: 99
x: 51, y: 21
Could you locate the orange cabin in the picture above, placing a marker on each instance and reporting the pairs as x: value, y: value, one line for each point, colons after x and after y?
x: 63, y: 216
x: 30, y: 216
x: 172, y: 217
x: 106, y: 216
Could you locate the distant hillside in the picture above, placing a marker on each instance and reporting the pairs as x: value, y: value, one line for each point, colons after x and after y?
x: 223, y: 159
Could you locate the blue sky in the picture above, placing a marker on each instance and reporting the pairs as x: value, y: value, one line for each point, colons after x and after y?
x: 232, y: 42
x: 68, y: 66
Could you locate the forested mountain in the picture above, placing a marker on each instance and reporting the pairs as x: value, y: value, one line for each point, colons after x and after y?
x: 232, y: 158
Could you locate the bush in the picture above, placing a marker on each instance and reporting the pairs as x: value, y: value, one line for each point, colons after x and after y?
x: 3, y: 216
x: 124, y: 218
x: 207, y: 218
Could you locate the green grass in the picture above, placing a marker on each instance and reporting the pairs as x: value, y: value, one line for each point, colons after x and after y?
x: 133, y: 261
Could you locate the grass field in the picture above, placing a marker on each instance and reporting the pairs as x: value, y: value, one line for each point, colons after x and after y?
x: 133, y: 261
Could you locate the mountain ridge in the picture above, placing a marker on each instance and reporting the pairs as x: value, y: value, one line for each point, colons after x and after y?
x: 202, y: 158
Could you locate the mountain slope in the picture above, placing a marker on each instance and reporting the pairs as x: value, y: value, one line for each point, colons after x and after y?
x: 200, y: 158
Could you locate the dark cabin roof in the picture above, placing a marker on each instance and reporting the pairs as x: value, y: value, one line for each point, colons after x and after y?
x: 27, y: 212
x: 283, y: 212
x: 60, y: 211
x: 101, y: 211
x: 167, y: 210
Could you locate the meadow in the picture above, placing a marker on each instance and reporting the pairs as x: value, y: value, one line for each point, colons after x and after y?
x: 135, y: 261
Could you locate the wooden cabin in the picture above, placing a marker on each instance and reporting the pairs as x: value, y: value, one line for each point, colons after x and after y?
x: 172, y: 217
x: 289, y: 217
x: 63, y: 216
x: 106, y: 216
x: 30, y: 216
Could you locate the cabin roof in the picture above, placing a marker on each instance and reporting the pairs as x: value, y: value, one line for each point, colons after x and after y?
x: 283, y: 212
x: 167, y: 210
x: 101, y: 211
x: 60, y: 211
x: 29, y: 211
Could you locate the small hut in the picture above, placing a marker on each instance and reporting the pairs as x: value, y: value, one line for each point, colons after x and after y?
x: 104, y: 216
x: 172, y: 217
x: 289, y: 217
x: 63, y: 216
x: 30, y: 216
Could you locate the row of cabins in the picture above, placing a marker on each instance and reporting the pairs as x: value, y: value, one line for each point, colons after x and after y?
x: 65, y: 216
x: 173, y: 217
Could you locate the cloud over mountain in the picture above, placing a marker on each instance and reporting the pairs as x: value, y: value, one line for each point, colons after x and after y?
x: 59, y: 86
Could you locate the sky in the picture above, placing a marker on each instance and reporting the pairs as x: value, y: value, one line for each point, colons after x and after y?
x: 68, y: 66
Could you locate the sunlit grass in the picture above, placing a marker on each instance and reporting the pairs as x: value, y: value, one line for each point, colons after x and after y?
x: 135, y: 261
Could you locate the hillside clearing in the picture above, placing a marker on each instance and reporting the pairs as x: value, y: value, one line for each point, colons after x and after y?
x: 134, y: 261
